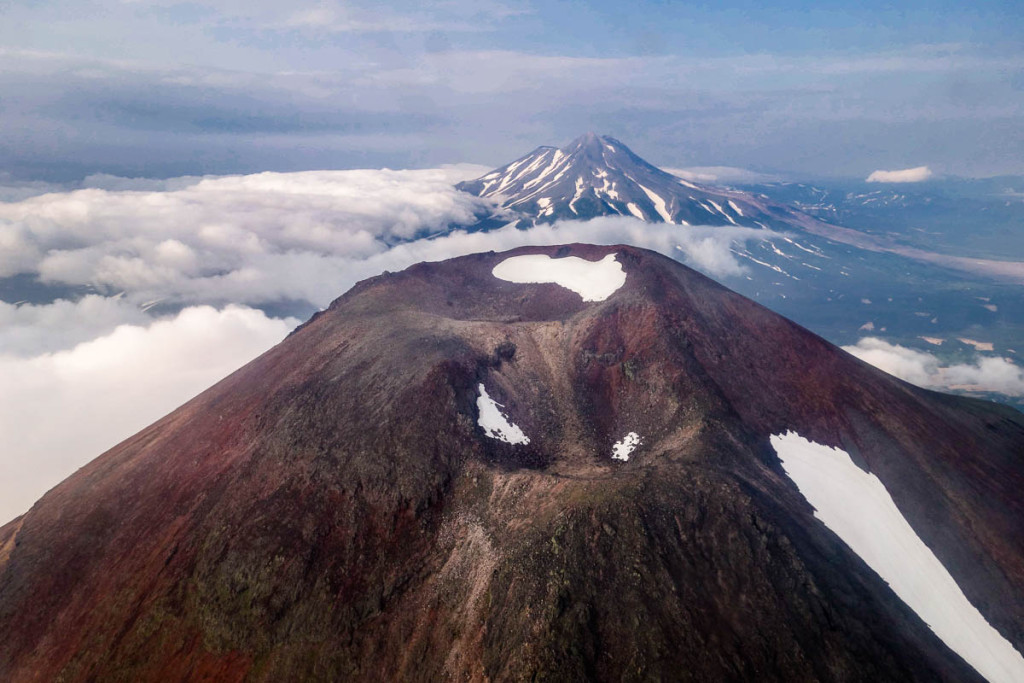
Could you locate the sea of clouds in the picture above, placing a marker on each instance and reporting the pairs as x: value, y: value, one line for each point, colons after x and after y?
x: 985, y: 373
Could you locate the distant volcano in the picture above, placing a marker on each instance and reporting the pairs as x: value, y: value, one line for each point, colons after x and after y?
x: 599, y: 176
x: 560, y: 463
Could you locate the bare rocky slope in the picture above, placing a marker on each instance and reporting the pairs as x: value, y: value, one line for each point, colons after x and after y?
x: 334, y: 511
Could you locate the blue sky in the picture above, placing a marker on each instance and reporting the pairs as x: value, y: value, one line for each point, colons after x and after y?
x: 161, y: 88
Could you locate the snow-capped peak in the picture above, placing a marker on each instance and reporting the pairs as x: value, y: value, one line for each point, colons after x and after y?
x: 597, y: 175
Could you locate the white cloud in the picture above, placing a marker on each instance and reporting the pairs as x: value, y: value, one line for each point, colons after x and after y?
x: 105, y: 181
x: 706, y: 248
x: 906, y: 175
x: 60, y: 410
x: 288, y: 236
x: 987, y: 373
x: 721, y: 174
x: 183, y: 239
x: 34, y: 329
x: 345, y: 19
x: 18, y: 251
x: 12, y: 189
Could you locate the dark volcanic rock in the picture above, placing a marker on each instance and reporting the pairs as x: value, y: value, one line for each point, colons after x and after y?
x: 333, y: 511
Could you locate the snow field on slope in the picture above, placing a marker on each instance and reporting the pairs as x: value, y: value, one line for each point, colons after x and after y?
x: 659, y: 203
x: 495, y: 423
x: 856, y: 506
x: 592, y: 280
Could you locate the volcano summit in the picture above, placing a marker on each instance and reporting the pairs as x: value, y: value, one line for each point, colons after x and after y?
x: 571, y: 463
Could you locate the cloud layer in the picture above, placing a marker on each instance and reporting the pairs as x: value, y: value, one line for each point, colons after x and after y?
x: 207, y: 237
x: 33, y: 329
x: 988, y: 373
x: 60, y: 410
x: 274, y: 237
x: 722, y: 174
x: 906, y: 175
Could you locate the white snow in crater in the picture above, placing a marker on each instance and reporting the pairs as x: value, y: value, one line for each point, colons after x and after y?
x: 592, y: 280
x: 622, y: 449
x: 856, y: 506
x: 495, y: 423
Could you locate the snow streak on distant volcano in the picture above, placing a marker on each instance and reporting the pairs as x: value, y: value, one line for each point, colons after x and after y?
x: 597, y: 176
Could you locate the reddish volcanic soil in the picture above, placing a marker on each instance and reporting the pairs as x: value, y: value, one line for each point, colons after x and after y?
x: 332, y: 511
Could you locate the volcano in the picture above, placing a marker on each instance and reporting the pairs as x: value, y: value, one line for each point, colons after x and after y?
x: 558, y: 463
x: 597, y: 175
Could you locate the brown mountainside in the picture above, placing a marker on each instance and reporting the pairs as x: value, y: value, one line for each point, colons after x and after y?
x: 334, y: 511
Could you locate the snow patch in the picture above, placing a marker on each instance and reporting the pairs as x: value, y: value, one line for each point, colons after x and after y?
x: 556, y: 160
x: 580, y: 186
x: 979, y: 345
x: 495, y: 423
x: 622, y: 449
x: 777, y: 269
x: 659, y: 204
x: 592, y: 280
x: 856, y: 506
x: 719, y: 210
